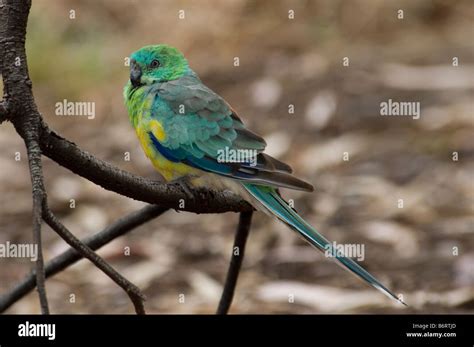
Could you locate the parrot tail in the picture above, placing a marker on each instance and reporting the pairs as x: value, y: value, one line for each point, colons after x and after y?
x: 274, y: 203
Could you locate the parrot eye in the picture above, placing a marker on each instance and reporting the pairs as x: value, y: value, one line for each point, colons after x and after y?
x: 154, y: 63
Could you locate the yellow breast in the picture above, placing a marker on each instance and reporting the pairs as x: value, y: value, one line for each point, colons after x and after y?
x: 170, y: 170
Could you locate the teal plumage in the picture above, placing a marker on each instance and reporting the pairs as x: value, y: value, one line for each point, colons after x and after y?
x: 183, y: 127
x: 273, y: 201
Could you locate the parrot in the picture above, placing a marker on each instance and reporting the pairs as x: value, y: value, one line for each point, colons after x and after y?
x: 184, y: 128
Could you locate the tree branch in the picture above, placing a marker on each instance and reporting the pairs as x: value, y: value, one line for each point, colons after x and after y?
x: 39, y: 196
x: 71, y: 256
x: 132, y: 290
x: 109, y: 177
x: 3, y: 111
x: 238, y: 250
x: 13, y: 19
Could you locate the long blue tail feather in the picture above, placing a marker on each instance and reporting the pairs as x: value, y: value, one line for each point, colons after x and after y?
x: 272, y: 201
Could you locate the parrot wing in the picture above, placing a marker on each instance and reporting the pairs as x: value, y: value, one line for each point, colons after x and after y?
x: 204, y: 132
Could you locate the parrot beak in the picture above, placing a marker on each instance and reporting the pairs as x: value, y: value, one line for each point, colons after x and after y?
x: 135, y: 74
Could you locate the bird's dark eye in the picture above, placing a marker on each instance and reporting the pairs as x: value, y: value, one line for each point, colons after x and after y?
x: 154, y: 63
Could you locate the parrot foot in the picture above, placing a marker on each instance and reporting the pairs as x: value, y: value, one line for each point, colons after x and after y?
x: 184, y: 183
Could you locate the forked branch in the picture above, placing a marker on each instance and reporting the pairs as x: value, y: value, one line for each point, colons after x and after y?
x: 71, y: 256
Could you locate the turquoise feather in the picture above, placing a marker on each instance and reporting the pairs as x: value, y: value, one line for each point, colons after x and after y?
x: 278, y: 207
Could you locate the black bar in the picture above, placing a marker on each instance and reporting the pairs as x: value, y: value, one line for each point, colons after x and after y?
x: 156, y: 330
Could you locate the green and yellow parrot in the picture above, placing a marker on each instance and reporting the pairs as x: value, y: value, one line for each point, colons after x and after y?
x: 193, y: 136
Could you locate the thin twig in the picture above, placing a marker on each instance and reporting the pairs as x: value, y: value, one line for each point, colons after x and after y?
x: 132, y: 290
x: 71, y: 256
x: 238, y: 251
x: 34, y: 161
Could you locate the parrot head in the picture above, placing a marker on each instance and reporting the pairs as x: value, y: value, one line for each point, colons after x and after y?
x: 155, y: 64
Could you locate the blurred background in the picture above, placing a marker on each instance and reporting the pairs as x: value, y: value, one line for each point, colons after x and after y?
x: 424, y: 251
